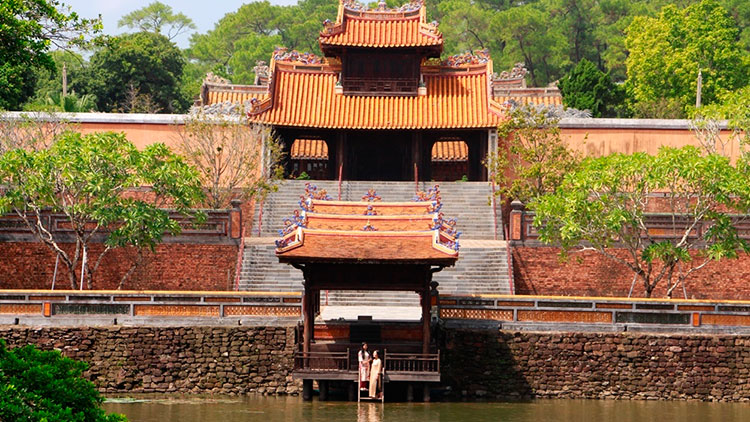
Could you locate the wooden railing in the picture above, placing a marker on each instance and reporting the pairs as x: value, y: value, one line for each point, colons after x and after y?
x: 322, y: 361
x: 411, y: 362
x: 617, y: 313
x: 380, y: 86
x: 144, y: 307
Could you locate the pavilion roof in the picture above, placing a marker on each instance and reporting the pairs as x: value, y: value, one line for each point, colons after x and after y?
x: 368, y: 231
x: 304, y: 94
x: 357, y: 25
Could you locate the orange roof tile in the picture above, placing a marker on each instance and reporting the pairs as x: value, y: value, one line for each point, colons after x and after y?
x: 308, y: 99
x: 309, y: 149
x: 453, y: 150
x: 364, y: 32
x: 317, y: 149
x: 525, y: 96
x: 234, y: 93
x: 361, y: 231
x: 367, y: 246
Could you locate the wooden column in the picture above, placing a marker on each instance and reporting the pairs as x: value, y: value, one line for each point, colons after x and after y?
x: 308, y: 312
x: 416, y: 155
x: 426, y: 320
x: 341, y: 157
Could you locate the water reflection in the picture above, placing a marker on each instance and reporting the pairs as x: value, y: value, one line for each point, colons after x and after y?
x: 293, y: 409
x: 370, y: 412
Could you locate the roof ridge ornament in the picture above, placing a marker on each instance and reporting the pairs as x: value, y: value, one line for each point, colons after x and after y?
x: 382, y: 6
x: 282, y: 54
x: 467, y: 58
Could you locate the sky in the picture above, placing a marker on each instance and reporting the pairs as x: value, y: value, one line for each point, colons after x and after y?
x: 205, y: 13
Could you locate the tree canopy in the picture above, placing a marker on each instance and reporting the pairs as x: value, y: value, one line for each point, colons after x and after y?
x: 29, y: 29
x: 588, y: 88
x: 133, y: 70
x: 604, y: 204
x: 85, y: 178
x: 46, y: 386
x: 159, y: 18
x: 668, y: 51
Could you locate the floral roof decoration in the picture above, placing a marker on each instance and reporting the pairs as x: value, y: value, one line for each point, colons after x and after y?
x: 282, y: 54
x: 467, y: 58
x: 356, y: 6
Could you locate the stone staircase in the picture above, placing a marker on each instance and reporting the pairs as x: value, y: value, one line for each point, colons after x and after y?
x: 468, y: 202
x: 481, y: 268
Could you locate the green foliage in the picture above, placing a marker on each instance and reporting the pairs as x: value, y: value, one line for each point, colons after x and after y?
x: 667, y: 51
x: 28, y: 30
x: 534, y: 159
x: 588, y: 88
x: 250, y: 34
x: 303, y: 176
x: 159, y: 18
x: 45, y: 386
x: 605, y: 204
x: 136, y: 69
x: 56, y: 102
x: 85, y: 178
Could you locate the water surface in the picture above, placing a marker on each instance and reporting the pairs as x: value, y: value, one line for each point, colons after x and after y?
x: 294, y: 409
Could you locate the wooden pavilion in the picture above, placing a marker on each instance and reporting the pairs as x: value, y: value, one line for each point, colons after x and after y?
x: 382, y: 102
x: 367, y: 245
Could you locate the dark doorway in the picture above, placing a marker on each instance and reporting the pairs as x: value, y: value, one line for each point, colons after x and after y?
x: 381, y: 155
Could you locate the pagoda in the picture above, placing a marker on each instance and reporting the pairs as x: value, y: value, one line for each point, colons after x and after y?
x: 381, y: 104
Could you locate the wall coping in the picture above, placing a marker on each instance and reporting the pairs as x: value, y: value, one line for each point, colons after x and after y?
x: 171, y: 119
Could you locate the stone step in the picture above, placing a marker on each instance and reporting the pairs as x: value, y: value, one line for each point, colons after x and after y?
x: 468, y: 202
x: 480, y: 269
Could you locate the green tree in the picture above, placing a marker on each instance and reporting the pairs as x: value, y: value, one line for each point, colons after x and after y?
x: 588, y: 88
x: 603, y: 206
x: 666, y: 53
x: 250, y: 34
x: 84, y: 178
x: 28, y: 30
x: 528, y: 37
x: 159, y: 18
x: 534, y: 158
x: 143, y: 64
x: 46, y: 386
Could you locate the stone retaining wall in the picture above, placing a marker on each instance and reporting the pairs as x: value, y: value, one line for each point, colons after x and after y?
x: 474, y: 363
x: 226, y: 360
x: 490, y: 363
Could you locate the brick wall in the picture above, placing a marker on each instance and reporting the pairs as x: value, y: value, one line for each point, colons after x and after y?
x: 508, y: 364
x: 173, y: 266
x: 538, y: 270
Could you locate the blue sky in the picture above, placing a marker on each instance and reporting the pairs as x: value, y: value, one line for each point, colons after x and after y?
x: 205, y: 13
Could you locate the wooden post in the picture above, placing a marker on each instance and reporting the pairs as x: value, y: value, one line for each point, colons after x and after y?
x: 307, y: 390
x: 410, y: 392
x: 323, y: 386
x: 308, y: 312
x: 426, y: 320
x: 426, y: 393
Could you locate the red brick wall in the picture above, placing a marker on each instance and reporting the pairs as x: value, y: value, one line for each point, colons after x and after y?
x: 173, y: 266
x: 538, y: 271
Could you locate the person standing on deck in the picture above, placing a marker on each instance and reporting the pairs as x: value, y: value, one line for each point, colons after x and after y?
x: 376, y: 367
x: 363, y: 356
